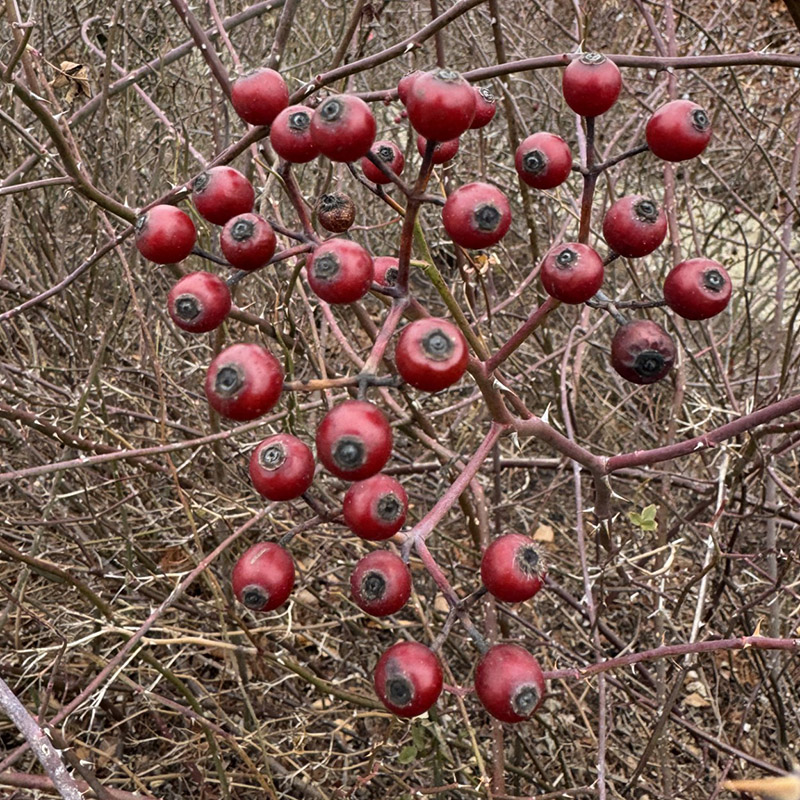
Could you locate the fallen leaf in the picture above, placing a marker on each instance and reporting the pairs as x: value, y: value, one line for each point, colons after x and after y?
x: 784, y: 787
x: 696, y: 700
x: 441, y: 605
x: 75, y: 77
x: 174, y: 559
x: 544, y: 533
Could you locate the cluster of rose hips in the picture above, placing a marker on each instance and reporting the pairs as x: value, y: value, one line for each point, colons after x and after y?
x: 634, y: 226
x: 354, y: 439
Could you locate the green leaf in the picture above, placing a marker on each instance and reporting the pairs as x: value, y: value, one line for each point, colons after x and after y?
x: 646, y: 520
x: 649, y: 513
x: 407, y: 754
x: 418, y: 735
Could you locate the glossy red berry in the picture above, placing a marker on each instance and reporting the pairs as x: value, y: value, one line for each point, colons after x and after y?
x: 513, y: 568
x: 375, y: 508
x: 678, y: 131
x: 390, y: 155
x: 572, y: 272
x: 343, y: 128
x: 442, y: 151
x: 247, y: 241
x: 220, y: 193
x: 165, y: 234
x: 260, y: 96
x: 698, y: 288
x: 290, y: 135
x: 408, y: 679
x: 336, y: 212
x: 244, y: 381
x: 591, y: 84
x: 431, y: 354
x: 380, y: 584
x: 282, y: 467
x: 634, y: 226
x: 485, y: 108
x: 476, y: 215
x: 642, y: 351
x: 440, y: 105
x: 405, y: 83
x: 354, y: 440
x: 199, y: 302
x: 509, y: 683
x: 543, y: 160
x: 340, y: 271
x: 385, y: 273
x: 263, y: 577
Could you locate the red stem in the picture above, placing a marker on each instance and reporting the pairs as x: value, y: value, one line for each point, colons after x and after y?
x: 536, y: 317
x: 410, y: 219
x: 674, y: 650
x: 385, y: 334
x: 711, y: 439
x: 425, y: 526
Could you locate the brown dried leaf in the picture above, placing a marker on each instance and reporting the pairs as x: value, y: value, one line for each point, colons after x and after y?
x: 441, y: 605
x: 696, y: 700
x: 175, y: 559
x: 75, y: 77
x: 784, y: 787
x: 544, y: 533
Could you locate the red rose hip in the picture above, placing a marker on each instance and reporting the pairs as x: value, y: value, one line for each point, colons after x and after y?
x: 282, y: 467
x: 431, y: 354
x: 385, y: 273
x: 165, y: 234
x: 263, y: 577
x: 634, y: 226
x: 543, y: 160
x: 290, y: 135
x: 678, y: 131
x: 220, y: 193
x: 343, y: 128
x: 260, y: 96
x: 375, y: 508
x: 340, y: 271
x: 591, y: 84
x: 247, y: 241
x: 354, y: 440
x: 485, y: 107
x: 408, y: 679
x: 380, y: 584
x: 509, y: 683
x: 387, y: 153
x: 513, y: 568
x: 572, y: 272
x: 440, y: 104
x: 244, y: 381
x: 698, y: 288
x: 476, y: 215
x: 442, y: 151
x: 642, y: 351
x: 199, y: 302
x: 404, y: 85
